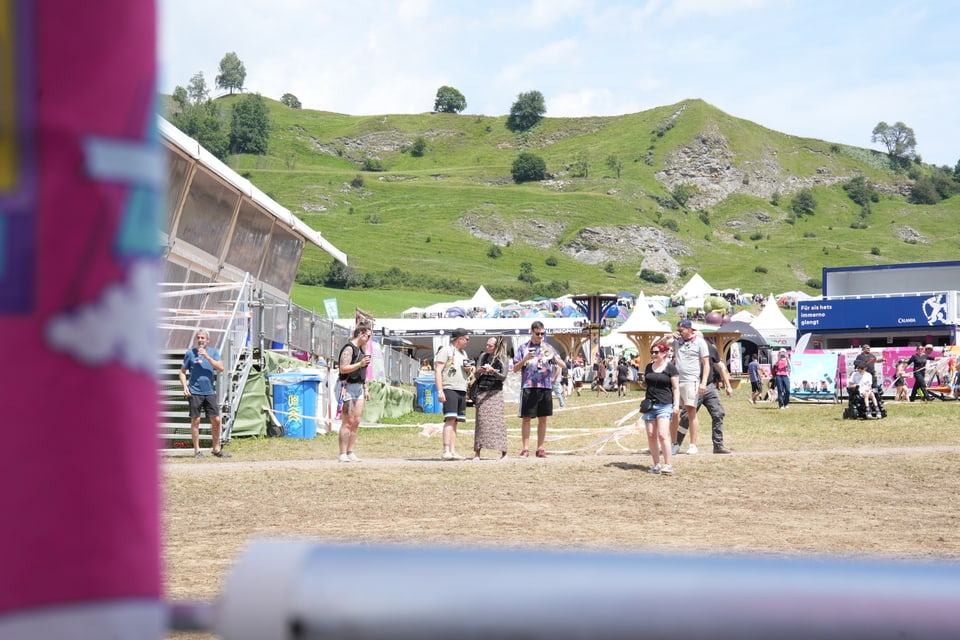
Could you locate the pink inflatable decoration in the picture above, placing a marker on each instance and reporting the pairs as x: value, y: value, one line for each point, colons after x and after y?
x: 80, y: 175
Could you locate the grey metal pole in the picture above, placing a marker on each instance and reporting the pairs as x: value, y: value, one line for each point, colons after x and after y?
x: 296, y: 590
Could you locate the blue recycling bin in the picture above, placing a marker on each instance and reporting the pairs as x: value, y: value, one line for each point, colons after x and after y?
x: 296, y: 402
x: 427, y: 401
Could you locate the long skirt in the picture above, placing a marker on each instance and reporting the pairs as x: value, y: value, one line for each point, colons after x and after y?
x: 491, y: 425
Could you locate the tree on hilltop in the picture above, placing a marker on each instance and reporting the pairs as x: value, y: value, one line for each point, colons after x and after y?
x: 199, y: 117
x: 900, y: 141
x: 291, y: 101
x: 526, y: 111
x: 232, y: 73
x: 449, y: 100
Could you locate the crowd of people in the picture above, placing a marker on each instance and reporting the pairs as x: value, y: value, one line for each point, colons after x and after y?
x: 685, y: 372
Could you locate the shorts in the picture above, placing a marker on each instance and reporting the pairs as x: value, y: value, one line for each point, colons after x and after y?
x: 352, y: 398
x: 352, y: 391
x: 688, y: 393
x: 536, y: 403
x: 659, y: 411
x: 578, y: 384
x: 454, y: 405
x: 204, y: 405
x: 756, y: 386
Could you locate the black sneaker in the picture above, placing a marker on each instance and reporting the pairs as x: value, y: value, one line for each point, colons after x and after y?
x: 721, y: 449
x: 220, y: 454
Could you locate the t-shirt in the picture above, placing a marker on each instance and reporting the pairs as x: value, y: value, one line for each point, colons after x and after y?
x: 865, y: 383
x: 868, y: 361
x: 754, y: 370
x: 919, y: 362
x: 659, y: 387
x: 714, y: 378
x: 689, y: 353
x: 453, y: 374
x: 538, y: 373
x: 201, y: 372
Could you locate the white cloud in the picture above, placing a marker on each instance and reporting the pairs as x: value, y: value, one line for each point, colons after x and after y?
x: 831, y: 63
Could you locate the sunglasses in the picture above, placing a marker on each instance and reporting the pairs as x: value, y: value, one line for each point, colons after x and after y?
x: 539, y: 333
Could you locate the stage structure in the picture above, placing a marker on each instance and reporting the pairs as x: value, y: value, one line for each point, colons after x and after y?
x: 594, y: 306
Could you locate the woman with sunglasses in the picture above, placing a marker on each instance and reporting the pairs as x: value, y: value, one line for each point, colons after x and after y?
x: 662, y: 380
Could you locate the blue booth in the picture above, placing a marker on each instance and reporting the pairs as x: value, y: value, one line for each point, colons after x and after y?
x: 296, y: 402
x: 427, y: 401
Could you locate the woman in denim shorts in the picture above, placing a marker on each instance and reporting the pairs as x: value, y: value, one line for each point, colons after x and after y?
x: 662, y: 381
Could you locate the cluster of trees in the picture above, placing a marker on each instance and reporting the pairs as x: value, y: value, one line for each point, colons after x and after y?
x: 246, y: 129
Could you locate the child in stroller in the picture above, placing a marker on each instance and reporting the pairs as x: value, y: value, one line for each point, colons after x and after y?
x: 863, y: 402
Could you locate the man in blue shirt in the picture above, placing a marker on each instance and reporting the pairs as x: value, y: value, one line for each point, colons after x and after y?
x: 202, y: 363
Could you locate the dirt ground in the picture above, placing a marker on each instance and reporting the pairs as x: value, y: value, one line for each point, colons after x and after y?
x: 833, y: 489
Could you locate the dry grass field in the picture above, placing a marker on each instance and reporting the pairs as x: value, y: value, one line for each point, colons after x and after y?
x: 801, y: 481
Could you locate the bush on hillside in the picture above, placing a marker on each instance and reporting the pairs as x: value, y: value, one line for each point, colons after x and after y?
x: 804, y: 204
x: 528, y: 167
x: 648, y: 275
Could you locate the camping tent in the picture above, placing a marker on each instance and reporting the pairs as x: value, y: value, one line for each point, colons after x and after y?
x: 774, y: 326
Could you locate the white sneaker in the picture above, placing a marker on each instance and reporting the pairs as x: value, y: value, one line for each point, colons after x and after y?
x: 666, y: 470
x: 344, y: 458
x: 674, y: 448
x: 353, y: 457
x: 448, y: 455
x: 456, y: 456
x: 654, y: 469
x: 692, y: 450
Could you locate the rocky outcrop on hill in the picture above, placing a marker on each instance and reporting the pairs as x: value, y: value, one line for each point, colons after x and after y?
x: 591, y: 245
x: 709, y: 164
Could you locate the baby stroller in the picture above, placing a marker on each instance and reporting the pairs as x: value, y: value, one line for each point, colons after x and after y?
x: 857, y: 405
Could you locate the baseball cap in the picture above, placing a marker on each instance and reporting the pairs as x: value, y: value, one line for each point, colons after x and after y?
x: 929, y: 346
x: 685, y: 324
x: 459, y: 333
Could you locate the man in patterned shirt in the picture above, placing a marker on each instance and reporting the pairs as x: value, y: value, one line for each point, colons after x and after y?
x: 535, y: 362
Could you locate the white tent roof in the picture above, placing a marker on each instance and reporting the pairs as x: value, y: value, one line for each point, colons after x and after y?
x: 641, y: 319
x: 482, y: 299
x: 696, y: 287
x: 771, y: 317
x: 774, y: 326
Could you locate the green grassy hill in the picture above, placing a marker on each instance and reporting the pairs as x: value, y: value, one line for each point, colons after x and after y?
x: 434, y: 223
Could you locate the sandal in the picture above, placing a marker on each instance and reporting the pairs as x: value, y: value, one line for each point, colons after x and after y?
x: 525, y: 453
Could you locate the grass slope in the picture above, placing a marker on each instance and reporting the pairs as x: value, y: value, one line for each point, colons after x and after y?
x: 411, y: 217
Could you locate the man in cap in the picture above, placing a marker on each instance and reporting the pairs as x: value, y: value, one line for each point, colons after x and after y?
x: 711, y: 399
x: 451, y: 370
x: 693, y: 362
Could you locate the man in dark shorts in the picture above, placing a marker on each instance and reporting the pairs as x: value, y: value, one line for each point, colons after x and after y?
x: 202, y: 363
x: 452, y: 370
x: 535, y: 362
x: 756, y: 384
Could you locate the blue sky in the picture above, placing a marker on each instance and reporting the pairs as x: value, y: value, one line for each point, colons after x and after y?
x: 827, y: 69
